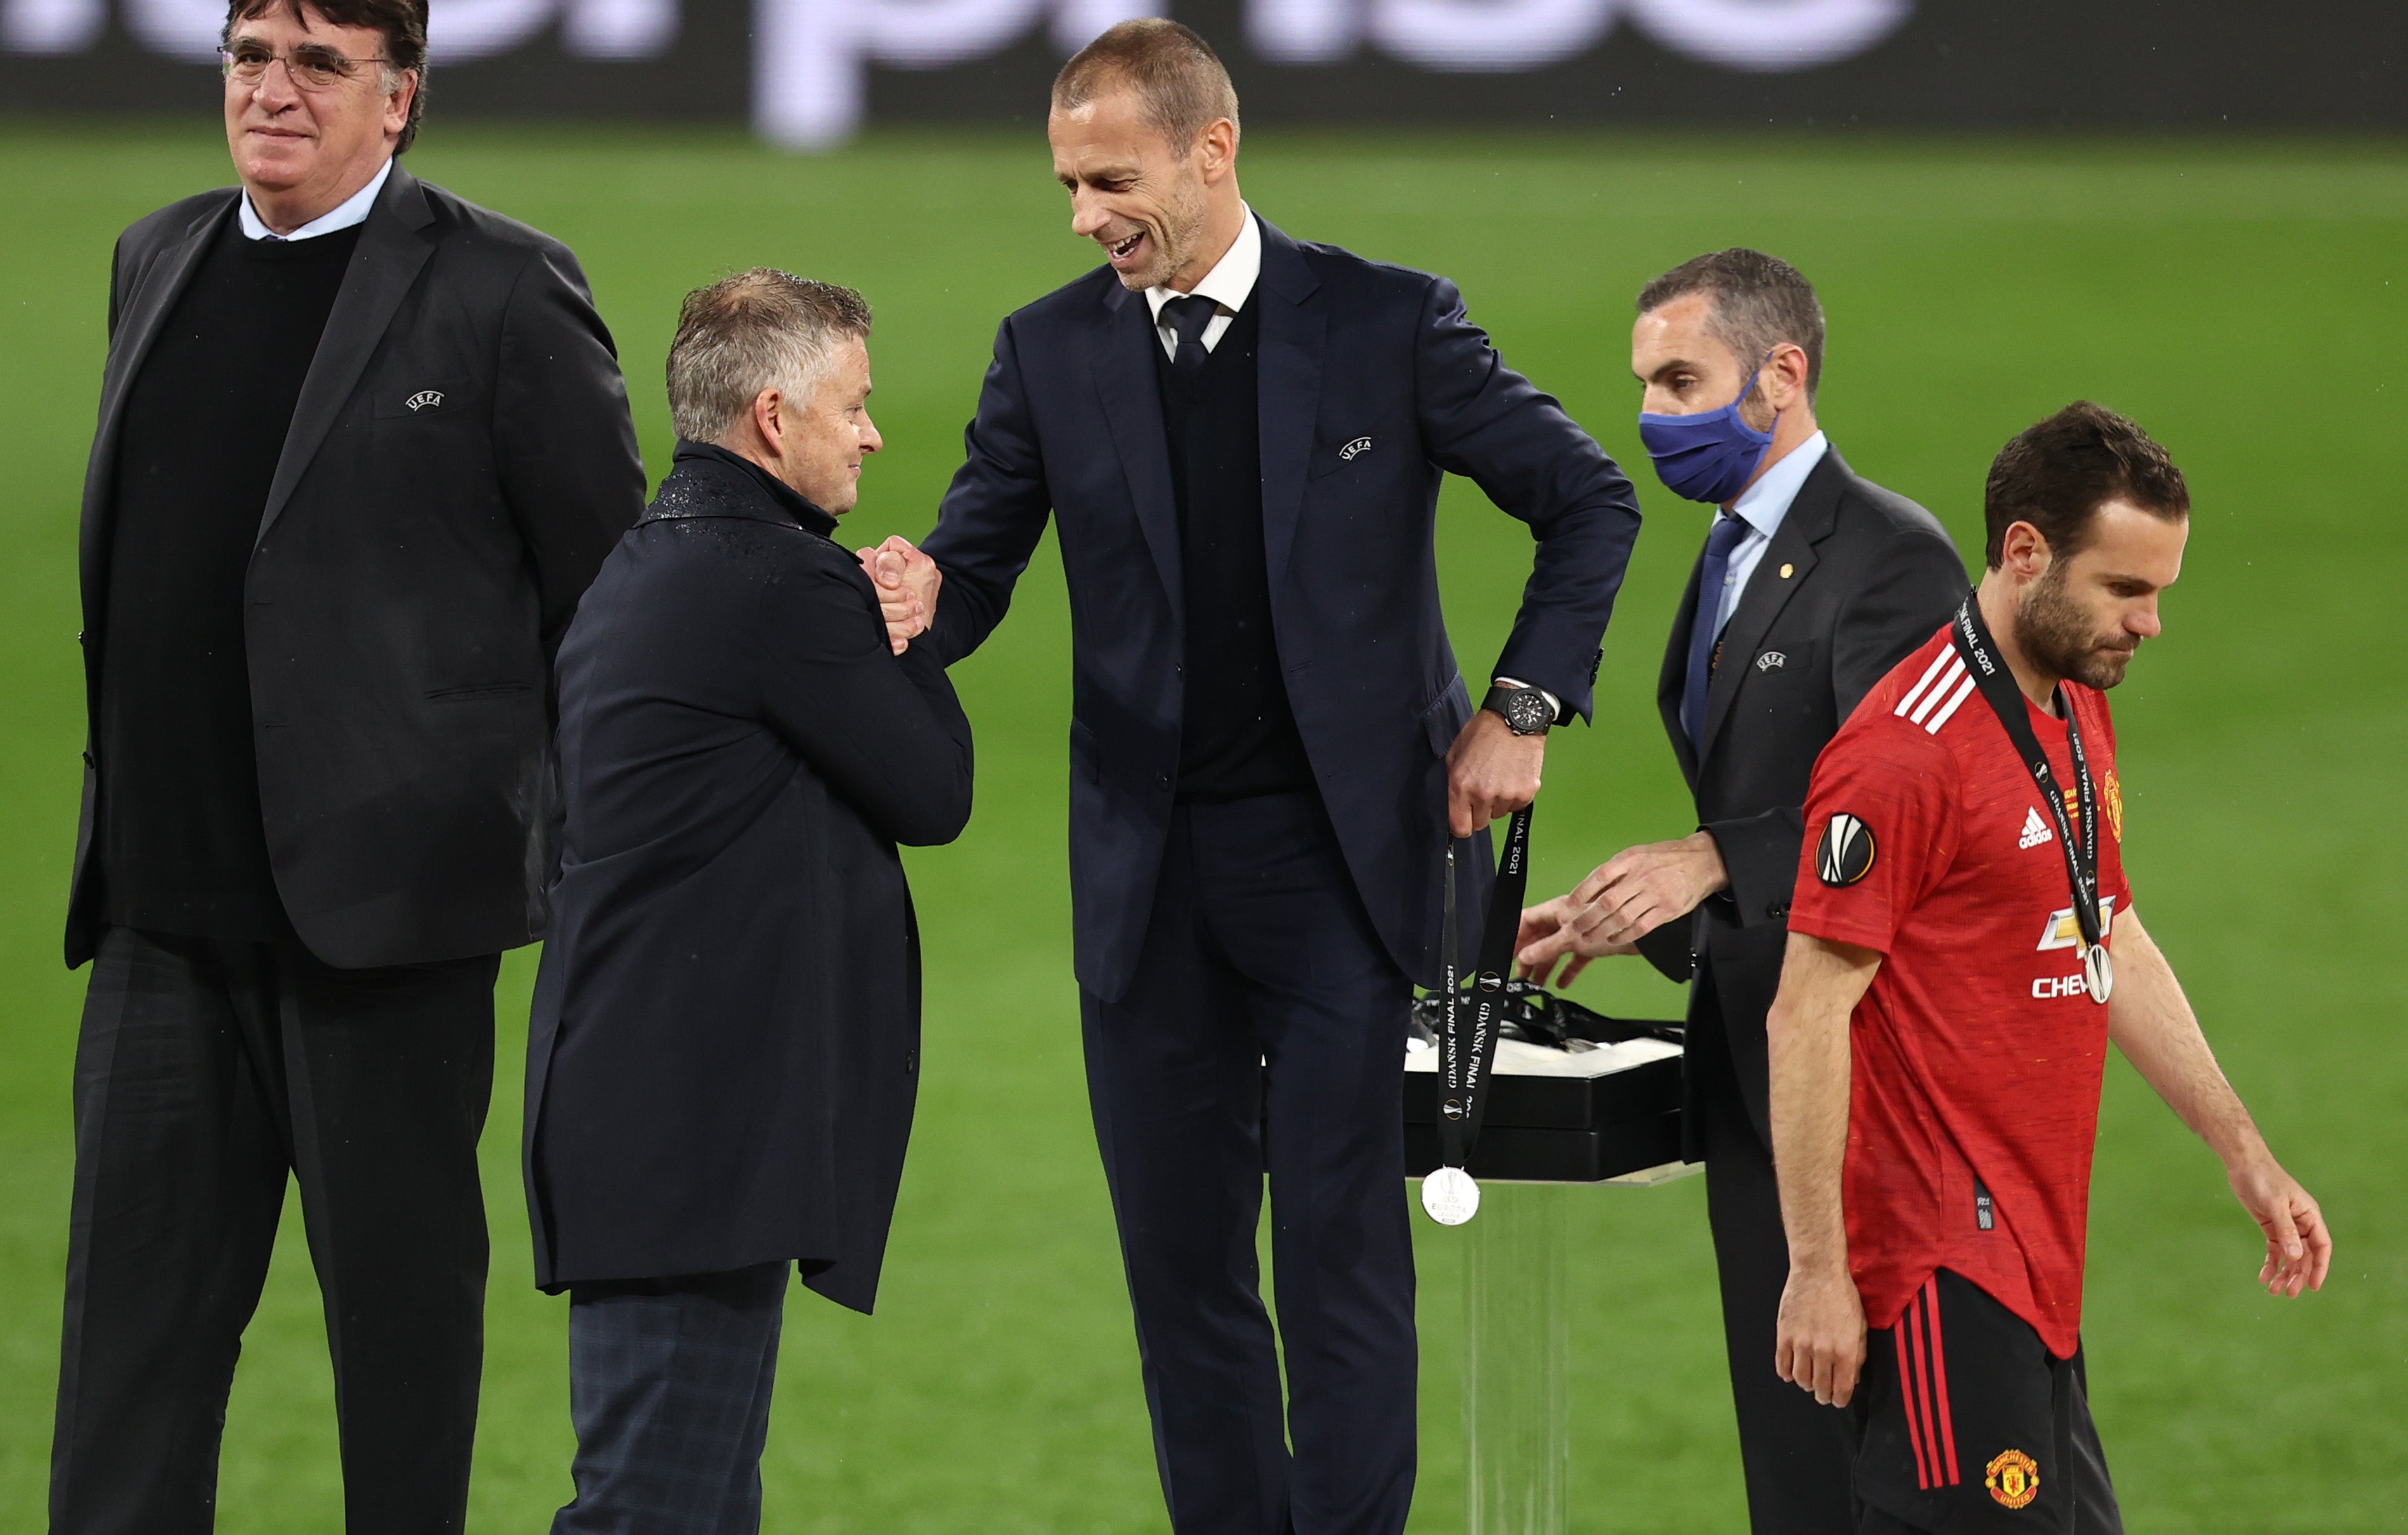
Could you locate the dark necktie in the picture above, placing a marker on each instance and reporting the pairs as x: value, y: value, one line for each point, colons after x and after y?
x: 1728, y: 531
x: 1188, y: 317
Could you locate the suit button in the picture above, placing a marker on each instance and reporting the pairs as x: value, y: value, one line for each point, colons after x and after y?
x: 87, y: 760
x: 1778, y: 909
x: 910, y: 1062
x: 1162, y: 781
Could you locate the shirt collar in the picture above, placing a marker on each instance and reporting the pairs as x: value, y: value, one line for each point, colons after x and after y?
x: 786, y: 497
x: 1764, y: 504
x: 1231, y: 280
x: 352, y: 209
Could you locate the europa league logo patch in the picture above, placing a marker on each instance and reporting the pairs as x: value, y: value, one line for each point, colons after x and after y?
x: 1847, y: 853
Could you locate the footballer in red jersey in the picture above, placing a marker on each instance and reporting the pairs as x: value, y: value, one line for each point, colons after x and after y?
x: 1962, y: 949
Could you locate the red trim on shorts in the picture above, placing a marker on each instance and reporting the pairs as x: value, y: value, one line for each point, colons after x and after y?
x: 1906, y: 1404
x: 1939, y: 1378
x: 1922, y: 1405
x: 1922, y: 1384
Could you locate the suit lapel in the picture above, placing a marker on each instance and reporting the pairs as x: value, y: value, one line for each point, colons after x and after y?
x: 393, y: 248
x: 1288, y: 389
x: 1807, y: 521
x: 1674, y: 679
x: 146, y: 313
x: 1121, y: 355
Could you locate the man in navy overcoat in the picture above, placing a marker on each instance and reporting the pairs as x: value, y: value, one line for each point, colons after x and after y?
x: 724, y: 1053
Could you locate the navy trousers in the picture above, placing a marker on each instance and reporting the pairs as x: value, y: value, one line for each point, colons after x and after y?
x: 669, y: 1385
x: 1264, y: 1033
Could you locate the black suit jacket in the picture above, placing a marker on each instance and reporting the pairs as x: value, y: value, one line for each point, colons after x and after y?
x: 1854, y: 580
x: 724, y: 1053
x: 414, y: 569
x: 1372, y: 385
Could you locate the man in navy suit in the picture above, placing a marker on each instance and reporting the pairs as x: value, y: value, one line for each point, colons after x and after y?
x: 1242, y: 439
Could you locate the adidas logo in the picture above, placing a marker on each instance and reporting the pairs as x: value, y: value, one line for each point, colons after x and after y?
x: 2036, y: 831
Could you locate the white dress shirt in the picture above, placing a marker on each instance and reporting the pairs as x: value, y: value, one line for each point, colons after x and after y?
x: 1761, y: 507
x: 351, y: 210
x: 1230, y: 285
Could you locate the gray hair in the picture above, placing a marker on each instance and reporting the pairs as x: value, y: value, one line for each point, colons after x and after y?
x: 756, y: 330
x: 1759, y: 302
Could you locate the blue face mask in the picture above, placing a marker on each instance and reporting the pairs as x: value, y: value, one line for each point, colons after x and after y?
x: 1708, y: 456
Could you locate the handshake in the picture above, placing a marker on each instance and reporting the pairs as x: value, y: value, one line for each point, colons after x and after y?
x: 906, y: 583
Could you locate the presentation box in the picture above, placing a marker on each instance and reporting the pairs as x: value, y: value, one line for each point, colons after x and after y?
x: 1607, y: 1113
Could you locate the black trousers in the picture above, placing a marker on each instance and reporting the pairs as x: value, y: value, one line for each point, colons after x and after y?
x: 1797, y: 1456
x: 1264, y: 1032
x: 206, y: 1074
x: 1972, y: 1426
x: 669, y: 1383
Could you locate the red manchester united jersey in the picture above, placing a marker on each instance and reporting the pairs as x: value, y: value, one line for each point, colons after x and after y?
x: 1977, y: 1053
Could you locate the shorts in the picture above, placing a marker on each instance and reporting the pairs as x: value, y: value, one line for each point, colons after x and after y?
x: 1970, y: 1427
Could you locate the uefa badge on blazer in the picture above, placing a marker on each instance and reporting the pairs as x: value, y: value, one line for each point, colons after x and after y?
x: 1847, y: 853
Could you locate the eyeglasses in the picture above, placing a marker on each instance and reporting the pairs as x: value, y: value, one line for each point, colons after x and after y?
x: 309, y: 68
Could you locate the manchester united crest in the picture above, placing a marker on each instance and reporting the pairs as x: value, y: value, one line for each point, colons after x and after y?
x: 2012, y: 1478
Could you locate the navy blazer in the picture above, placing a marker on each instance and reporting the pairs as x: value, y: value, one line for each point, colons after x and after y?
x: 725, y: 1049
x: 1372, y: 385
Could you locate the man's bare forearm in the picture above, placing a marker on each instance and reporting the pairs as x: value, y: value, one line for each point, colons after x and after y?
x: 1821, y: 983
x: 2152, y: 1022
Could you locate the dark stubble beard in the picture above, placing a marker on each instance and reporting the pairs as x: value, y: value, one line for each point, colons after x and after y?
x: 2056, y: 636
x: 1183, y: 229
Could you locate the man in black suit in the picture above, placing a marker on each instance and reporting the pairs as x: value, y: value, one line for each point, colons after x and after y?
x: 1240, y: 438
x: 1812, y: 583
x: 361, y: 447
x: 725, y: 1049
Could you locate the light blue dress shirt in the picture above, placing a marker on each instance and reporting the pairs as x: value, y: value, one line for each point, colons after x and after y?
x: 1761, y: 507
x: 351, y: 210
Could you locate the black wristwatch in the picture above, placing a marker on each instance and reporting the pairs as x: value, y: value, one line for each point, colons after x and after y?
x: 1525, y: 709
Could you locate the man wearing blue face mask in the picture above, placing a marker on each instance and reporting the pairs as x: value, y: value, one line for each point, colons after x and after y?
x: 1812, y: 584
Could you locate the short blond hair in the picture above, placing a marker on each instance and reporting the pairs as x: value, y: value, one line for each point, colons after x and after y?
x: 1182, y: 88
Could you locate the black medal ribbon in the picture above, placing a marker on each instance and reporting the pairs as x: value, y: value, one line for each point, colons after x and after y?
x: 1467, y: 1052
x: 1980, y: 653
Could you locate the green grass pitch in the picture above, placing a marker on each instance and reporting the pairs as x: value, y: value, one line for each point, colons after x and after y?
x: 2248, y: 302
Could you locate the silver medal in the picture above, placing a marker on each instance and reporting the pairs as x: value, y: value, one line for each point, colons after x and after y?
x: 1450, y: 1195
x: 2098, y: 973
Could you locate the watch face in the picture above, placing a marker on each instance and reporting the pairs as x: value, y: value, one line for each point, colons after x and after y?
x: 1527, y: 712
